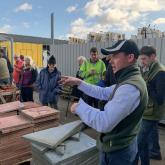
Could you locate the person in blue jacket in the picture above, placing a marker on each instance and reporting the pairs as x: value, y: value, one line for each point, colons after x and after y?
x: 47, y: 83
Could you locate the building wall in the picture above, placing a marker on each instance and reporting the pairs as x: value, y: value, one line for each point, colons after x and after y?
x: 104, y: 37
x: 74, y: 40
x: 147, y: 32
x: 27, y: 49
x: 66, y: 55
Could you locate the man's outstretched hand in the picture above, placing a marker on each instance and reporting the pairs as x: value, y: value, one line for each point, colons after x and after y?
x: 68, y: 80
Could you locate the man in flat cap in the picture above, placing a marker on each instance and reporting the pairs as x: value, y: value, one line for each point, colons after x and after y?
x: 118, y: 123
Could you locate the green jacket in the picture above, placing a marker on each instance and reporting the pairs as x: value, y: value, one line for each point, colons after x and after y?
x: 123, y: 134
x: 153, y: 110
x: 87, y: 66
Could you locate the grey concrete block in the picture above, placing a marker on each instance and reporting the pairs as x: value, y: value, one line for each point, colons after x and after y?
x: 76, y: 137
x: 76, y: 152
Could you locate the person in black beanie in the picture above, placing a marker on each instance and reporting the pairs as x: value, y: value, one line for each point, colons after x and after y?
x: 47, y: 83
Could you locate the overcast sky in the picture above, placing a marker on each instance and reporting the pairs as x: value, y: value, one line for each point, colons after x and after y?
x: 79, y: 17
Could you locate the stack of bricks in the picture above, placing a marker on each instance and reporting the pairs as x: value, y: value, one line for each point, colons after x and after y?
x: 42, y: 117
x: 32, y: 117
x: 9, y: 109
x: 13, y: 148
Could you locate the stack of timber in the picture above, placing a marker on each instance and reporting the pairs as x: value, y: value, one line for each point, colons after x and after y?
x: 56, y: 146
x: 42, y: 117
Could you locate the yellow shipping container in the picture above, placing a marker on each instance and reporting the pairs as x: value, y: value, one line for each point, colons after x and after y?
x: 27, y: 49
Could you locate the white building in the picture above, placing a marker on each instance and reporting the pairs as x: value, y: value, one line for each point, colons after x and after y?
x: 147, y: 32
x: 75, y: 40
x: 103, y: 37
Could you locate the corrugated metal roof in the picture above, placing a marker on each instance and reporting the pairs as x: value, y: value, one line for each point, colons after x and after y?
x: 32, y: 39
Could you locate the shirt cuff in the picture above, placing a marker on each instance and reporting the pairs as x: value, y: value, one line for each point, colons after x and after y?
x: 83, y: 107
x: 83, y: 86
x: 79, y: 106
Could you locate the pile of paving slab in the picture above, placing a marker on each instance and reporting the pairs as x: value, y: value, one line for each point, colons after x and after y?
x: 63, y: 145
x: 18, y: 119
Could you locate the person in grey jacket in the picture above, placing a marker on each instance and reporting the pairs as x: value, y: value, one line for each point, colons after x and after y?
x: 47, y: 83
x: 4, y: 71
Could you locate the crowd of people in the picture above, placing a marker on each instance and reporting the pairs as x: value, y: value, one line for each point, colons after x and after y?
x: 121, y: 96
x: 25, y: 77
x: 131, y: 82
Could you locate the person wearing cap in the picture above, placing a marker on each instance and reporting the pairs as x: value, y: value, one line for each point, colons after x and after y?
x: 119, y: 122
x: 48, y: 84
x: 92, y: 71
x: 154, y: 75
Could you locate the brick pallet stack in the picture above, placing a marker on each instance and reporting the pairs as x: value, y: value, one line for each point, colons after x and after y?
x: 12, y: 108
x: 42, y: 117
x: 9, y: 109
x: 12, y: 148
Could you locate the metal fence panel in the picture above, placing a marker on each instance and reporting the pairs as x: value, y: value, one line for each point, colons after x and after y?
x: 66, y: 55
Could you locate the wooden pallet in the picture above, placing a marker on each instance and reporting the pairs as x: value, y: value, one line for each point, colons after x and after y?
x: 9, y: 95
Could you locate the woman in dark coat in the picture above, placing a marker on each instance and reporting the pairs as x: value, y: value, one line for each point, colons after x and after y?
x: 28, y: 76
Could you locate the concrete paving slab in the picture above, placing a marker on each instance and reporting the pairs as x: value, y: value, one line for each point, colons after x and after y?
x: 75, y: 152
x: 52, y: 137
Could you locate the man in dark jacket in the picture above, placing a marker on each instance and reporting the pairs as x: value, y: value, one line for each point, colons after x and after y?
x: 154, y: 75
x: 47, y: 83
